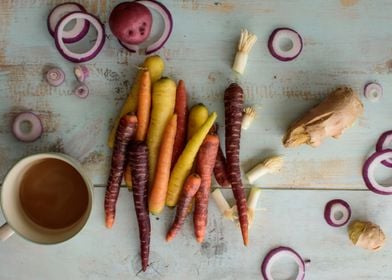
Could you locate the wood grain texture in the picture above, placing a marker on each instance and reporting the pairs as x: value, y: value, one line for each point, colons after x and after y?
x: 346, y: 43
x: 290, y: 218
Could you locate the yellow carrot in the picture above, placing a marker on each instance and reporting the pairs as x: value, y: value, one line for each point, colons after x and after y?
x: 163, y: 101
x: 144, y: 106
x: 184, y: 163
x: 155, y: 65
x: 197, y: 117
x: 159, y: 188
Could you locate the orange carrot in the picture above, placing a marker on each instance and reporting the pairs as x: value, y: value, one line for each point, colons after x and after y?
x: 125, y: 132
x: 181, y: 109
x: 144, y: 105
x: 189, y: 190
x: 143, y: 117
x: 234, y: 103
x: 162, y: 174
x: 205, y: 162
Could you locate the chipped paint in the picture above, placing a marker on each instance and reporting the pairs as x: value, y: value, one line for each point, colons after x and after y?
x: 82, y: 149
x: 348, y: 3
x: 217, y: 6
x: 6, y: 12
x: 384, y: 68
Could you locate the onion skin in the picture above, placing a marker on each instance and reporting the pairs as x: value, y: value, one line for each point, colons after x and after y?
x: 337, y: 112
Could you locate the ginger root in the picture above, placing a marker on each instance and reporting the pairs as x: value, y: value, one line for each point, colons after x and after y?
x: 337, y: 112
x: 366, y: 235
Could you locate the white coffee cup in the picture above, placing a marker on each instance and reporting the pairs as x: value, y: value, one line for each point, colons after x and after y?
x: 16, y: 219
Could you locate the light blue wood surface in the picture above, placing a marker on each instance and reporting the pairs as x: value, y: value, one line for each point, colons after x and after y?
x: 347, y: 42
x: 288, y: 218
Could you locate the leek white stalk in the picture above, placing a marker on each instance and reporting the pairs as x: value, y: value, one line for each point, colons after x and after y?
x: 245, y: 45
x: 269, y: 165
x: 253, y: 198
x: 220, y: 200
x: 248, y: 115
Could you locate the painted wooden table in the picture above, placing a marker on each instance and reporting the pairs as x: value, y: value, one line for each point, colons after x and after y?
x: 346, y: 42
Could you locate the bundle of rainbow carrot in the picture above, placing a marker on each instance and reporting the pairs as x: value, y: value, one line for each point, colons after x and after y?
x: 167, y: 154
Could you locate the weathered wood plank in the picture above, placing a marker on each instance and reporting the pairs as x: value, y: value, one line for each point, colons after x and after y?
x: 291, y: 218
x: 342, y: 46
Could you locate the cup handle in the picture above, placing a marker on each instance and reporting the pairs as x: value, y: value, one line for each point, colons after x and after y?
x: 5, y: 232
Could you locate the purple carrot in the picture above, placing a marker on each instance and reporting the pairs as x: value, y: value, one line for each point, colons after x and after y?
x: 234, y: 103
x: 125, y: 132
x: 138, y: 159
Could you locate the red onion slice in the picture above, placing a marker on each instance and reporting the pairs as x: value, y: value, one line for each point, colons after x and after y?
x: 82, y: 91
x: 78, y: 31
x: 35, y: 130
x: 129, y: 47
x: 334, y: 207
x: 289, y: 52
x: 385, y: 143
x: 168, y: 21
x: 55, y: 77
x: 80, y: 57
x: 368, y: 172
x: 277, y: 253
x: 81, y: 72
x: 373, y: 92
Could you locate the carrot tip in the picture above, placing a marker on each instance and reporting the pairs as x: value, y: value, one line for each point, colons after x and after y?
x: 246, y: 240
x: 199, y: 239
x: 109, y: 223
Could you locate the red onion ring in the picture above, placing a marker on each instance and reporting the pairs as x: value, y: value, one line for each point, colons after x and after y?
x: 55, y: 77
x: 368, y: 172
x: 274, y: 255
x: 78, y: 32
x: 80, y: 57
x: 82, y: 91
x: 168, y: 20
x: 385, y: 143
x: 373, y: 91
x: 334, y: 206
x: 35, y: 131
x: 275, y: 49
